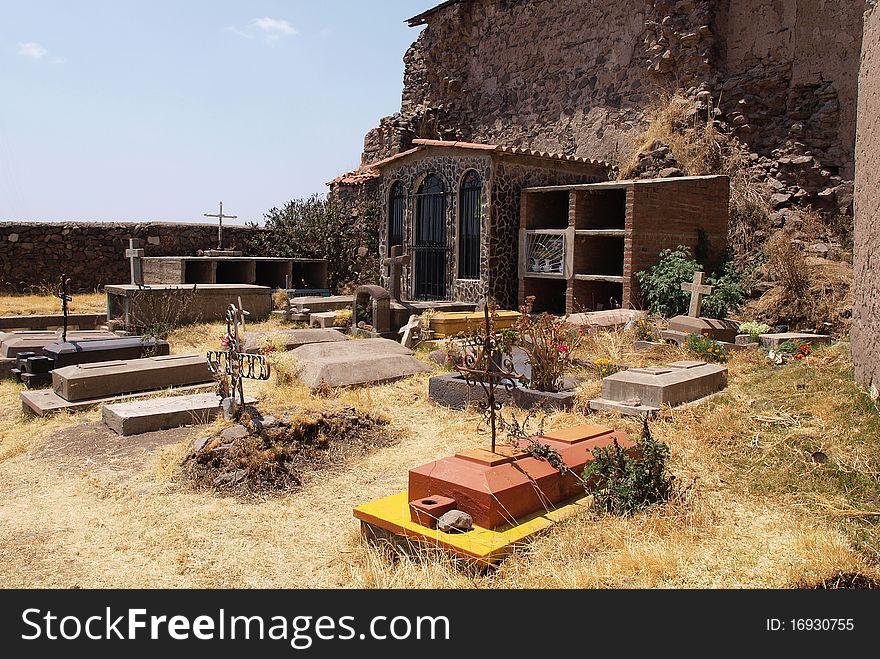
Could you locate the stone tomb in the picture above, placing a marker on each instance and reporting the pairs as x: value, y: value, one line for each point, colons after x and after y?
x: 85, y: 381
x: 134, y: 418
x: 203, y: 303
x: 12, y: 343
x: 643, y: 391
x: 291, y: 339
x: 355, y: 362
x: 772, y: 341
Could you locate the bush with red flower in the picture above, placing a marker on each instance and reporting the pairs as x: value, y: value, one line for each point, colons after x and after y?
x: 550, y: 342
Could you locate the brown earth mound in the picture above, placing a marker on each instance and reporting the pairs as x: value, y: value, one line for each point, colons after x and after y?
x: 267, y: 456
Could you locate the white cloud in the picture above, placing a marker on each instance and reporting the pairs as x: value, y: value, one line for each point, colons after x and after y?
x: 32, y: 50
x: 270, y: 30
x: 274, y: 29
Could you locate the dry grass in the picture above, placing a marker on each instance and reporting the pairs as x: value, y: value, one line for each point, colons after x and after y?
x: 757, y: 511
x: 25, y: 305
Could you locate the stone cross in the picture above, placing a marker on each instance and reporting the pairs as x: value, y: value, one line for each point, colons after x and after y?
x: 220, y: 216
x: 233, y: 365
x: 65, y: 298
x: 697, y: 290
x: 395, y: 265
x: 409, y: 330
x: 135, y: 255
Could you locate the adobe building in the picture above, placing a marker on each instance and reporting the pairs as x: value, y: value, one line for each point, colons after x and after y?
x: 866, y: 261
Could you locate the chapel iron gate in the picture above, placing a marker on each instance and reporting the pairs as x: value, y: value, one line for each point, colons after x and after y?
x: 430, y: 248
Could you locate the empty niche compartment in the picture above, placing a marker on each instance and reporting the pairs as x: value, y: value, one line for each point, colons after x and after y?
x: 590, y: 294
x: 236, y: 272
x: 198, y: 272
x: 598, y: 255
x: 274, y: 274
x: 545, y: 210
x: 600, y: 209
x: 309, y: 274
x: 549, y: 294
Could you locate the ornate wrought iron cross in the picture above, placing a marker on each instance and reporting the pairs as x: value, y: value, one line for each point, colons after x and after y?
x: 485, y: 363
x: 64, y: 295
x: 233, y: 365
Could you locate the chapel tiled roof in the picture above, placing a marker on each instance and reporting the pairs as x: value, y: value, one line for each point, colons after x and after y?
x: 422, y: 18
x: 371, y: 171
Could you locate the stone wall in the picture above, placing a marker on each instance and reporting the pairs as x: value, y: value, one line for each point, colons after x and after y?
x: 574, y: 76
x: 92, y: 254
x: 866, y: 306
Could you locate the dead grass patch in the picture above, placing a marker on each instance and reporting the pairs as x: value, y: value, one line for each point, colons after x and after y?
x: 26, y: 305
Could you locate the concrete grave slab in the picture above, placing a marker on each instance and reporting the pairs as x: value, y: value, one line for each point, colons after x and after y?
x: 323, y: 319
x: 355, y: 362
x: 80, y: 321
x: 292, y: 339
x: 100, y: 350
x: 320, y: 304
x: 45, y: 402
x: 134, y: 418
x: 674, y: 385
x: 773, y: 340
x: 13, y: 343
x: 102, y: 379
x: 720, y: 330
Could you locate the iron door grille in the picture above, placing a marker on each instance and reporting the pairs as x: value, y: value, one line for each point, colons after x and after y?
x: 430, y: 248
x: 469, y: 226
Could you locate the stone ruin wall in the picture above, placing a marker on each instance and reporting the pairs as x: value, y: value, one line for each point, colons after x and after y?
x: 574, y: 76
x: 92, y: 254
x: 866, y: 307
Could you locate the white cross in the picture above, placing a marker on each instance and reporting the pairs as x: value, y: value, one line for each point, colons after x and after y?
x: 697, y: 290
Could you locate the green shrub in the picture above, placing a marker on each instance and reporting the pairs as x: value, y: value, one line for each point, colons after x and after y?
x: 754, y: 329
x: 325, y: 229
x: 622, y: 484
x: 661, y: 283
x: 661, y: 290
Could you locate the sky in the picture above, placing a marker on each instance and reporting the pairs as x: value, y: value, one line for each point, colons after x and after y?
x: 158, y: 109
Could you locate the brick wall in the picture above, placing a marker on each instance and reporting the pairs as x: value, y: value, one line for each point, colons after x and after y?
x: 664, y: 215
x: 92, y: 254
x: 866, y: 294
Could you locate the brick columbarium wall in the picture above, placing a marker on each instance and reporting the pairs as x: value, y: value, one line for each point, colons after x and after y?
x: 92, y: 254
x: 866, y: 307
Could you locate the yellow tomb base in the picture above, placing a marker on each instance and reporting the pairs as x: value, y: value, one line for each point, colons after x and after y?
x: 450, y: 323
x: 484, y: 546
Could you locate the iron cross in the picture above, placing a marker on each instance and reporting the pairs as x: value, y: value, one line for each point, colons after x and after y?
x: 697, y: 290
x: 233, y: 365
x: 220, y: 216
x: 65, y: 298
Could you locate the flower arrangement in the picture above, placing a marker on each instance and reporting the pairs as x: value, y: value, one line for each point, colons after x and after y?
x: 754, y: 329
x: 644, y: 330
x: 791, y: 350
x: 550, y: 342
x: 705, y: 347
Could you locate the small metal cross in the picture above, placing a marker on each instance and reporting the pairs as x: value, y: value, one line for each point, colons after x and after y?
x: 220, y: 216
x: 233, y: 365
x: 697, y: 290
x: 483, y: 363
x: 65, y: 298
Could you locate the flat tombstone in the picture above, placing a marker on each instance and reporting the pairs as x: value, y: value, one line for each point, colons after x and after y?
x: 291, y: 339
x: 670, y: 386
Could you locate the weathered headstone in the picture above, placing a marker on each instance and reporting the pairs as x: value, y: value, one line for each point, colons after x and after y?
x: 378, y: 300
x: 697, y: 290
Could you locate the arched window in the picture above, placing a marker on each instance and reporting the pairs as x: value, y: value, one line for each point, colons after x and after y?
x: 396, y: 206
x: 469, y: 216
x: 430, y: 239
